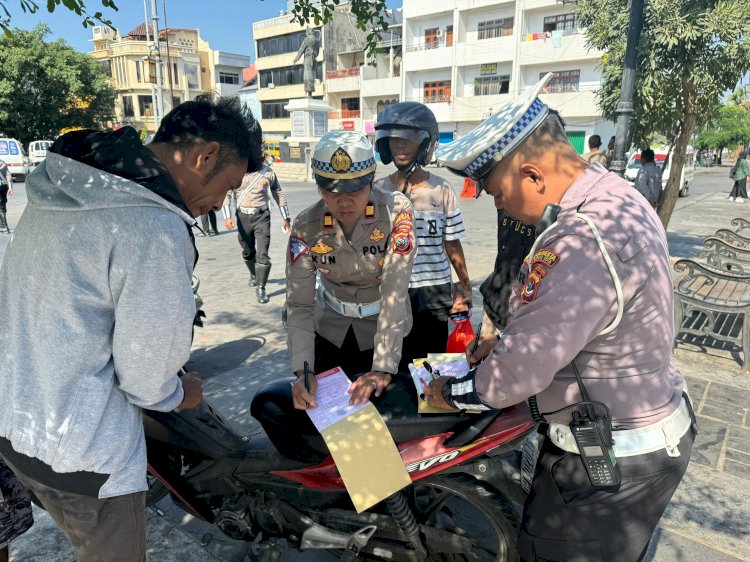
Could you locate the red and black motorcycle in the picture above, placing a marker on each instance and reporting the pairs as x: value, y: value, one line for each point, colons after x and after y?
x: 462, y: 504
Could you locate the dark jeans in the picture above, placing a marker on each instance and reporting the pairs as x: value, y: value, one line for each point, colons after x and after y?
x: 255, y: 236
x: 739, y: 189
x: 4, y: 198
x: 565, y: 519
x: 205, y: 219
x: 100, y: 530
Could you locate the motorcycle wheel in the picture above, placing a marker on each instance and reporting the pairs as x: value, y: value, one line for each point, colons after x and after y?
x: 471, y: 508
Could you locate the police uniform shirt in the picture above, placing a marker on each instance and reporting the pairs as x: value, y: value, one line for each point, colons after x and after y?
x: 260, y: 183
x: 648, y: 181
x: 565, y: 296
x: 374, y: 265
x: 437, y: 219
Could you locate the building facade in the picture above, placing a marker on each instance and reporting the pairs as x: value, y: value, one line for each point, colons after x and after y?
x: 189, y: 68
x: 465, y: 58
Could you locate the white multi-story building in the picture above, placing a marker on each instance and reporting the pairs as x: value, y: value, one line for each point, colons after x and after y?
x: 465, y: 58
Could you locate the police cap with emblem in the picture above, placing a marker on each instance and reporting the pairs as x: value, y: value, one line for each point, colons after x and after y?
x: 475, y: 154
x: 343, y: 162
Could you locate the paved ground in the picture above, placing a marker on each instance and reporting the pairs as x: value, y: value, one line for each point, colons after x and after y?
x: 243, y: 346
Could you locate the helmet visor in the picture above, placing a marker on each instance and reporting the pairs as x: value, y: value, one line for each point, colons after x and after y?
x: 413, y: 135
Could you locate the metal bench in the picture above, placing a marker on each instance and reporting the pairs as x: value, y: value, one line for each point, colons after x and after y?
x: 711, y: 303
x: 732, y: 238
x: 740, y: 224
x: 725, y: 257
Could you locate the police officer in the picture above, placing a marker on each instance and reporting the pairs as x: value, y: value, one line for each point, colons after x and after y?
x: 594, y: 297
x: 359, y: 242
x: 648, y: 180
x: 407, y: 134
x: 254, y: 223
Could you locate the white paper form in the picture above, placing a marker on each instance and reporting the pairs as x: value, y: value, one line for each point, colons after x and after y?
x: 333, y: 398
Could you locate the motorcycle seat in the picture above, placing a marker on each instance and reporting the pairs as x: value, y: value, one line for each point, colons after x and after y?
x: 416, y: 426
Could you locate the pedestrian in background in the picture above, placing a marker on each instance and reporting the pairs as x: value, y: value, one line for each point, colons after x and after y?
x: 648, y: 180
x: 209, y: 219
x: 407, y: 134
x: 15, y: 510
x: 594, y: 154
x: 610, y: 152
x: 6, y: 189
x: 252, y: 200
x: 740, y: 173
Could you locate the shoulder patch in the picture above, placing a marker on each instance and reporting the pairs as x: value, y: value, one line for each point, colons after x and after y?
x: 402, y: 242
x: 297, y: 247
x: 545, y: 256
x: 528, y: 294
x: 322, y: 248
x: 403, y: 217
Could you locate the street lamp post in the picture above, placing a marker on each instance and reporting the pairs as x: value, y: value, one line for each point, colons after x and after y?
x: 625, y: 105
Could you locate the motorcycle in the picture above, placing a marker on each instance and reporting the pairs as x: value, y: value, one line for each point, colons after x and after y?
x: 463, y: 502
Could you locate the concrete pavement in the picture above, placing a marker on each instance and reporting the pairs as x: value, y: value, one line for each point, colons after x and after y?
x: 243, y: 346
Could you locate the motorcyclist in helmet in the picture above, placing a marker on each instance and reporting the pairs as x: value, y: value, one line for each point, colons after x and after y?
x: 407, y: 134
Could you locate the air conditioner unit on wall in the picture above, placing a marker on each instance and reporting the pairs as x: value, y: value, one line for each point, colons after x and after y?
x: 271, y: 85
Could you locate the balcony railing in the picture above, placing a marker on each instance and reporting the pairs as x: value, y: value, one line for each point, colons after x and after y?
x: 436, y: 99
x: 280, y: 20
x: 544, y: 35
x: 427, y: 45
x: 342, y: 73
x: 345, y: 114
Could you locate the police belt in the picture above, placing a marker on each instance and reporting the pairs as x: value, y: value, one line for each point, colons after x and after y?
x: 252, y: 210
x: 350, y: 309
x: 664, y: 434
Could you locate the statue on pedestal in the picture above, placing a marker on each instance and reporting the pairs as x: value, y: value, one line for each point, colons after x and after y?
x: 310, y: 47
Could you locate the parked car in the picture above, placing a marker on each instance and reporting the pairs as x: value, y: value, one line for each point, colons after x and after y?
x: 13, y: 154
x: 663, y: 160
x: 38, y: 151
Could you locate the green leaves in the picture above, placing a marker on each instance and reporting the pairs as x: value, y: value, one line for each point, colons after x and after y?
x: 46, y: 87
x: 75, y: 6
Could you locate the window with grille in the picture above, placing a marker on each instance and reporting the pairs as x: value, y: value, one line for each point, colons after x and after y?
x: 564, y: 22
x: 495, y: 28
x: 562, y: 81
x: 280, y: 44
x: 431, y: 38
x: 286, y: 76
x: 491, y: 85
x: 229, y: 78
x: 437, y: 92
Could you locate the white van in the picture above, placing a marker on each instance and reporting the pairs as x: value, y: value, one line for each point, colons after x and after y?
x: 12, y: 153
x: 38, y: 151
x: 662, y: 159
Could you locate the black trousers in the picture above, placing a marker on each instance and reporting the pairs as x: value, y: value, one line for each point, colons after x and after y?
x: 566, y: 520
x: 739, y: 189
x: 429, y: 332
x: 254, y: 233
x: 209, y: 217
x: 291, y: 430
x: 4, y: 198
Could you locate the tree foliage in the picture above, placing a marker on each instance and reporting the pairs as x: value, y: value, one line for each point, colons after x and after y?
x: 76, y: 6
x: 729, y: 129
x: 46, y: 87
x: 691, y: 51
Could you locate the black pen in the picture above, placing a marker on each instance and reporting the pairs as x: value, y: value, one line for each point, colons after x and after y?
x: 476, y: 341
x: 307, y: 379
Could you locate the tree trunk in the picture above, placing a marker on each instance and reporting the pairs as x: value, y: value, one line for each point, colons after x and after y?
x: 672, y: 191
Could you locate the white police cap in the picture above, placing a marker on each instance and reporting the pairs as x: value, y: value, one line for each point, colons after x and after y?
x: 497, y: 136
x: 343, y: 155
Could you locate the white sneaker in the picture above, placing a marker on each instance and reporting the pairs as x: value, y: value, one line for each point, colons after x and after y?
x: 730, y: 198
x: 739, y: 200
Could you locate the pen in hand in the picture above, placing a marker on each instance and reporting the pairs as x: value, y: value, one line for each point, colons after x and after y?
x: 476, y: 340
x: 307, y: 378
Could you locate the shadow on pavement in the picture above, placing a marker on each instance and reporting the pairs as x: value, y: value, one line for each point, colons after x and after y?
x: 218, y: 359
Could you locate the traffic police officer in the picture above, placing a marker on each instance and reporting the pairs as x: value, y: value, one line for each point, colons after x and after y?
x: 254, y: 223
x: 358, y: 241
x: 594, y: 296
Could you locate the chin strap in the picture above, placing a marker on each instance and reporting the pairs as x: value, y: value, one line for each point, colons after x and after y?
x: 408, y: 171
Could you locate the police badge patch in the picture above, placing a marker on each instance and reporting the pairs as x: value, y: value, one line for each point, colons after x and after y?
x: 297, y: 247
x: 533, y: 281
x: 322, y: 248
x: 377, y: 235
x: 402, y: 242
x: 545, y: 256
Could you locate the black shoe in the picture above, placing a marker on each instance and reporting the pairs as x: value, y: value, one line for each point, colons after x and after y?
x: 253, y: 281
x: 260, y: 293
x: 214, y: 233
x: 262, y: 271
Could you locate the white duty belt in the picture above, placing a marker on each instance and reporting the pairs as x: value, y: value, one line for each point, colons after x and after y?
x: 664, y: 434
x: 350, y: 309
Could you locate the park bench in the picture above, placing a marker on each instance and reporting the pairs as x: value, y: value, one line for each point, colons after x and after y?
x: 711, y: 303
x: 740, y: 224
x: 725, y: 257
x: 733, y: 238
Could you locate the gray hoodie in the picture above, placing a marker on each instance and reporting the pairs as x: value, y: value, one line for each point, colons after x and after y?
x: 98, y: 307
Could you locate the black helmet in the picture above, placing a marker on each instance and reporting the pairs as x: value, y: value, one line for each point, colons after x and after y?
x: 401, y: 120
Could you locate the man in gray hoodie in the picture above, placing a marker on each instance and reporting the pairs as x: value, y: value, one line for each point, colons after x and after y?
x: 95, y: 288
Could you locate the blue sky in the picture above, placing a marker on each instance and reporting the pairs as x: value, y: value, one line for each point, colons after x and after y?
x: 226, y: 24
